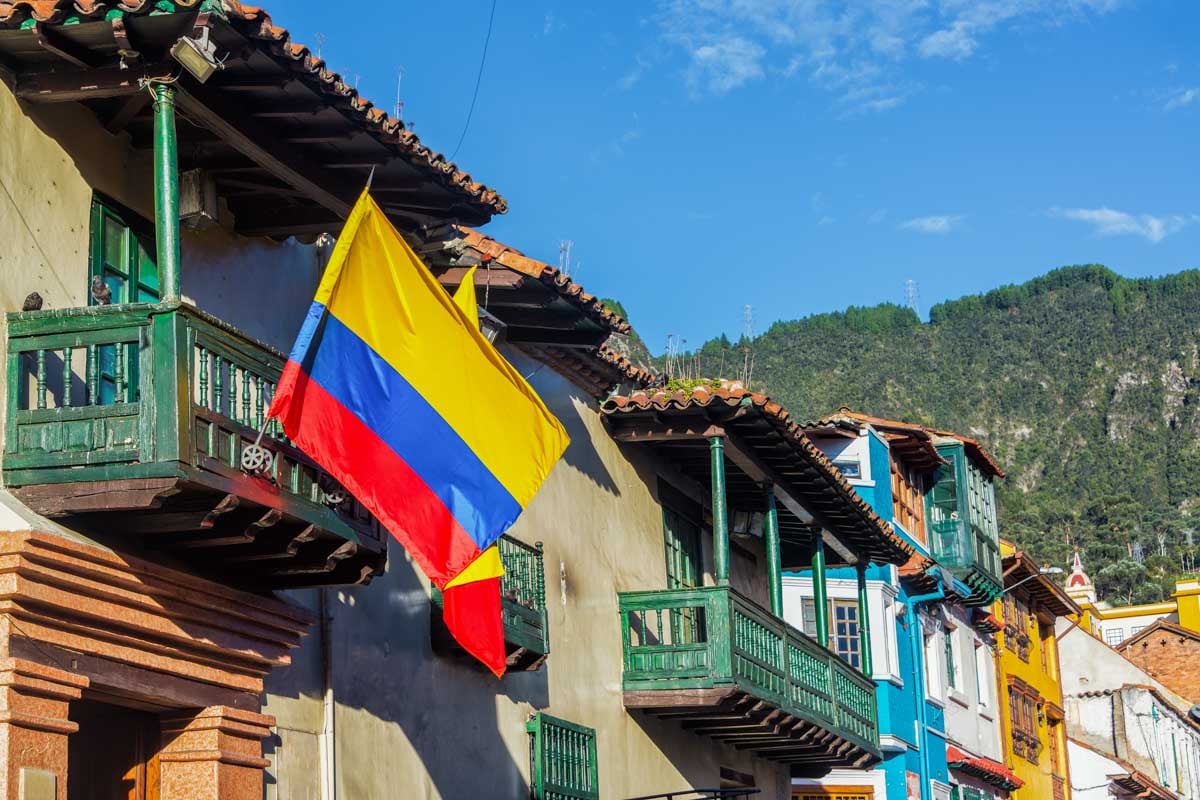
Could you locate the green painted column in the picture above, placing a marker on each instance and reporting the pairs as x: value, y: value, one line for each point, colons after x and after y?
x: 774, y: 568
x: 166, y: 192
x: 720, y: 512
x: 820, y: 591
x: 864, y: 621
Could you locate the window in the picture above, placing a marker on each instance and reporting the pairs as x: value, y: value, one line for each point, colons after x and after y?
x: 808, y: 615
x: 845, y: 631
x: 1134, y: 630
x: 850, y: 469
x: 933, y: 673
x: 1114, y: 636
x: 1023, y: 718
x: 983, y: 675
x: 122, y: 256
x: 908, y: 502
x: 562, y: 760
x: 891, y: 658
x: 951, y: 654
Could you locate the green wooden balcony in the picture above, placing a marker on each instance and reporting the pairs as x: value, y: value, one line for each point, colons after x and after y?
x: 522, y: 607
x: 729, y: 669
x: 129, y: 422
x: 971, y: 555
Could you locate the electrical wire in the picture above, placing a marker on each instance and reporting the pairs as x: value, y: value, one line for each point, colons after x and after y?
x: 478, y: 79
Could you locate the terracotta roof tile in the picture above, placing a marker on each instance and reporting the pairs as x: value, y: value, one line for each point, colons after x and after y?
x: 987, y: 770
x: 256, y: 23
x: 734, y: 394
x: 500, y: 253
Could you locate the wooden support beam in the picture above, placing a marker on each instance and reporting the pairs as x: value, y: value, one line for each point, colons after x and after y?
x: 210, y: 110
x: 53, y: 41
x: 228, y: 503
x: 563, y: 339
x: 743, y: 456
x: 696, y: 429
x: 129, y: 108
x: 87, y: 84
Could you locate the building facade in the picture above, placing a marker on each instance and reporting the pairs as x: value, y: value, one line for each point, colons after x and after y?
x: 1031, y: 690
x: 933, y: 664
x: 1162, y: 638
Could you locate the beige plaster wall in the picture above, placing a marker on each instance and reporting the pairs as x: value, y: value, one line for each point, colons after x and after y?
x: 52, y: 157
x: 413, y: 724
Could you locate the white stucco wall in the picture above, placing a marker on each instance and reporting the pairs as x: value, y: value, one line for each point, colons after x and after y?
x: 1089, y: 771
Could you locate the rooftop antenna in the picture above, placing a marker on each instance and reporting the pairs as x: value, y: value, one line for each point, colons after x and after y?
x: 321, y: 39
x: 564, y: 256
x: 399, y: 111
x: 912, y: 296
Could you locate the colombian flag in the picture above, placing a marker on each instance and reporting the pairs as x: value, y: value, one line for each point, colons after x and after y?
x: 392, y: 389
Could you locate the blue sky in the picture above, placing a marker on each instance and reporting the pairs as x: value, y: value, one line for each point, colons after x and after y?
x: 800, y: 156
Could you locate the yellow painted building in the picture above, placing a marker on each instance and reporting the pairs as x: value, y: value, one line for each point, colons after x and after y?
x: 1035, y: 738
x: 1116, y: 624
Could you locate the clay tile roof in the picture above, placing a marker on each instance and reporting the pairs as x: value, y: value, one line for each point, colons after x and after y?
x: 1158, y: 625
x: 868, y: 530
x: 977, y: 452
x: 595, y: 370
x: 987, y: 770
x: 500, y: 253
x: 256, y: 23
x: 1020, y: 566
x: 910, y: 441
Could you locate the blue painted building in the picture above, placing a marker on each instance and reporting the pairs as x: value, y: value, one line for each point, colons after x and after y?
x: 921, y: 620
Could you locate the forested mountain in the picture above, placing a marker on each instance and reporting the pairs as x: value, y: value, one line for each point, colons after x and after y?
x: 1084, y: 384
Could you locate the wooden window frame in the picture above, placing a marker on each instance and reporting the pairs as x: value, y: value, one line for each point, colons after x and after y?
x: 908, y: 499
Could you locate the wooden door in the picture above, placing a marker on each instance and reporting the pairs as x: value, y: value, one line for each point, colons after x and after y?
x: 114, y: 755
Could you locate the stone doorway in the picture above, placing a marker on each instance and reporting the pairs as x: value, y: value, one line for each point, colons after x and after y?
x: 114, y: 754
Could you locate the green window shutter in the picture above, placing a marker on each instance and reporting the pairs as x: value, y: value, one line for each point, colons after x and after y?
x: 562, y: 759
x: 681, y: 537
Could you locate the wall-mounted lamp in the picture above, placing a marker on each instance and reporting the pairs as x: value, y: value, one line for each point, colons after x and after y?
x: 198, y: 56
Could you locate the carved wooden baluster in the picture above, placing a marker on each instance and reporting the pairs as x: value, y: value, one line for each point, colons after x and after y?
x: 120, y: 373
x: 218, y: 388
x: 246, y: 389
x: 93, y: 375
x: 202, y: 365
x: 67, y: 375
x: 41, y: 378
x: 258, y: 401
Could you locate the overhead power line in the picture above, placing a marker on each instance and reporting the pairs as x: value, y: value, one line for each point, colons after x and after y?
x: 478, y: 79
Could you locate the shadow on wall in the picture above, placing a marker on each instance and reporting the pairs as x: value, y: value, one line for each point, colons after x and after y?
x: 405, y: 713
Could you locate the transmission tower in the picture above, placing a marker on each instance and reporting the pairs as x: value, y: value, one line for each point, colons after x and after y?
x: 912, y: 297
x: 748, y: 322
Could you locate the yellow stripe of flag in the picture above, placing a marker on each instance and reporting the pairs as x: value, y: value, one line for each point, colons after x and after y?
x: 405, y: 316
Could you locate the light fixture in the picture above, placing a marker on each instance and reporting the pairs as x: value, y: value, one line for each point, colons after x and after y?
x: 491, y: 326
x: 198, y: 56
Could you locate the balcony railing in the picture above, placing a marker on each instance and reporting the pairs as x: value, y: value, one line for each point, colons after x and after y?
x: 971, y: 555
x: 143, y: 411
x: 684, y: 648
x: 522, y: 606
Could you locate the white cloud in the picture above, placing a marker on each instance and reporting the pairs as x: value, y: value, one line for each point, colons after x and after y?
x: 826, y: 220
x: 877, y: 216
x: 846, y: 47
x: 938, y: 224
x: 955, y: 42
x: 726, y: 64
x: 1182, y: 97
x: 1110, y: 222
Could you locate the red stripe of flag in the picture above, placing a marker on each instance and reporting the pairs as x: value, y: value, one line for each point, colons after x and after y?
x: 341, y: 443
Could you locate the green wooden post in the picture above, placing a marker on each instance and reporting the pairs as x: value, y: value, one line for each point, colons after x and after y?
x: 774, y: 570
x: 864, y: 621
x: 166, y: 192
x: 820, y: 591
x: 720, y: 514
